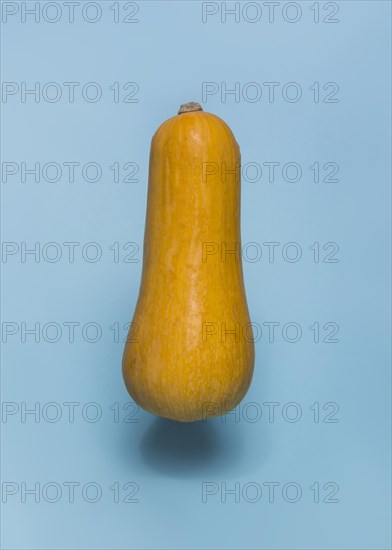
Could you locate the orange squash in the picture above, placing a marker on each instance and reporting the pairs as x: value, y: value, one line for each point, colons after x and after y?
x: 190, y: 351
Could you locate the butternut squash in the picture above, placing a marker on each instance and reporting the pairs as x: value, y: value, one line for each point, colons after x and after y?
x: 190, y: 351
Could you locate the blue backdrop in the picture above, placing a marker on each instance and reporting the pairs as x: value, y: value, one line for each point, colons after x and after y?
x: 304, y: 461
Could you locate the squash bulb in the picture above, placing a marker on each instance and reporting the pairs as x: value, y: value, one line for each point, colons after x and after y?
x: 190, y: 351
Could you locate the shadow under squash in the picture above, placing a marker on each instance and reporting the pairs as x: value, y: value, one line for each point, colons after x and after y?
x: 190, y: 449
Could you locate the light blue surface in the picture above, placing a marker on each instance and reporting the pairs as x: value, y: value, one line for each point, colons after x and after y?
x: 170, y: 52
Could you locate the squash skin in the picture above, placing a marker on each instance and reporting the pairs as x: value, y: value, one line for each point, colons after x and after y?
x: 171, y: 367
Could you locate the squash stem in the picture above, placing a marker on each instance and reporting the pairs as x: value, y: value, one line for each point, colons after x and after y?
x: 190, y: 107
